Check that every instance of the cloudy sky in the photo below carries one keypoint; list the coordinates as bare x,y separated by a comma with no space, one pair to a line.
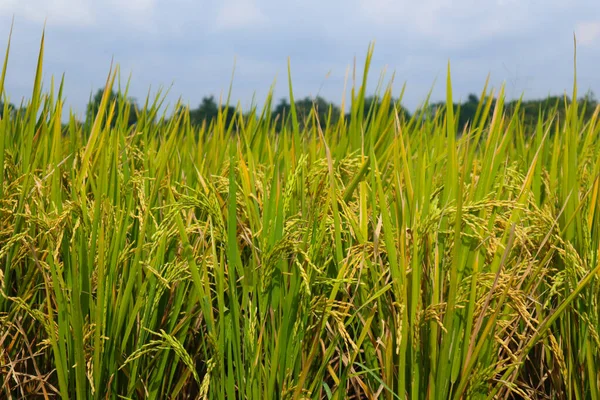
191,45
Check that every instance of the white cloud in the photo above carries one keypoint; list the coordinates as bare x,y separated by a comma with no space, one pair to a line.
139,13
235,14
419,16
588,33
56,12
457,23
80,13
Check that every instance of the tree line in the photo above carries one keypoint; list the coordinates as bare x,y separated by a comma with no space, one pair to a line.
208,109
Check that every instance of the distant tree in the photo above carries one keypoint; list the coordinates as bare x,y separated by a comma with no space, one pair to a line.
11,109
590,98
590,102
468,109
531,109
304,108
282,107
208,110
375,102
94,106
464,112
373,105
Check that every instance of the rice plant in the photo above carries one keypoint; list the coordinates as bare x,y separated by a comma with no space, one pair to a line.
369,256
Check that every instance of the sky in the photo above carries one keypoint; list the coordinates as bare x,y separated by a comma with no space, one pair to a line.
191,47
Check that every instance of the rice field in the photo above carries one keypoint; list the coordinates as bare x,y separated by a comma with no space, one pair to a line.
372,256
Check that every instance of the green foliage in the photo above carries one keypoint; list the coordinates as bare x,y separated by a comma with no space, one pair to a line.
208,111
123,105
7,108
323,110
529,110
377,256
